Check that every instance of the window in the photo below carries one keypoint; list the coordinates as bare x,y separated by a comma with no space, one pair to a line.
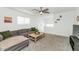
49,25
23,20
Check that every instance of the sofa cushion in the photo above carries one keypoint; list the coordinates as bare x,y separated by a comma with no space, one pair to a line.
12,41
22,31
6,34
24,34
14,33
1,37
19,32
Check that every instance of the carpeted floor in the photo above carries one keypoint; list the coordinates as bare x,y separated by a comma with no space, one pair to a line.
49,43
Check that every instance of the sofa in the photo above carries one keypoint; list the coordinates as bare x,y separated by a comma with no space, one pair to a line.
74,42
17,41
14,43
74,38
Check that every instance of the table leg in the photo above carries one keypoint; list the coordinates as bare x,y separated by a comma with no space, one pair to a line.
35,40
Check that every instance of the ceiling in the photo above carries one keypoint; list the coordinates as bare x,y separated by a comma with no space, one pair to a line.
51,9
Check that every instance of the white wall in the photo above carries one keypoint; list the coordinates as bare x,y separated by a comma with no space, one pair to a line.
13,14
63,27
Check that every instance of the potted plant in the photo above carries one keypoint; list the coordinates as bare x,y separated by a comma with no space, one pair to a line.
35,30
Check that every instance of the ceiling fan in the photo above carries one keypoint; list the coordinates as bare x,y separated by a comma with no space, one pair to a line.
42,11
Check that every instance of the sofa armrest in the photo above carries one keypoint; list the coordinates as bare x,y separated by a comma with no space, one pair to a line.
75,39
24,34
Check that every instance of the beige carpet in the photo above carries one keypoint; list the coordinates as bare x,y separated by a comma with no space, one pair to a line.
50,43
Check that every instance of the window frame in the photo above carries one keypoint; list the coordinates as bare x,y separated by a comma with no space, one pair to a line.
24,22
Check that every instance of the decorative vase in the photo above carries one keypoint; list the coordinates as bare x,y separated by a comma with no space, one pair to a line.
37,33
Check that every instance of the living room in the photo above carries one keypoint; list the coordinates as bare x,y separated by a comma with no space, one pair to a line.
56,24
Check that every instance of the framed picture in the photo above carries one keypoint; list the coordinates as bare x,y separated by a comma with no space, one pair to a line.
77,19
7,19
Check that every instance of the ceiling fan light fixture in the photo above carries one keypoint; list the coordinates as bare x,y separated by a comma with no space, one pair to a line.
41,13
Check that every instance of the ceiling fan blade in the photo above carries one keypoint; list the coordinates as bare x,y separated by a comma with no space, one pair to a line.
35,10
41,11
45,10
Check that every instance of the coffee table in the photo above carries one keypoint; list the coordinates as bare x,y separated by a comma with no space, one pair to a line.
36,37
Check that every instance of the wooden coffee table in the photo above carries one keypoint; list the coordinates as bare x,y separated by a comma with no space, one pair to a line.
36,37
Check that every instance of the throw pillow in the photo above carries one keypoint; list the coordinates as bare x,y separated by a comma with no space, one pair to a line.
6,34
